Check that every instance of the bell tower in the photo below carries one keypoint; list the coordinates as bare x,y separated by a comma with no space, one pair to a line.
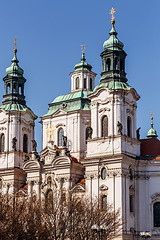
16,128
113,104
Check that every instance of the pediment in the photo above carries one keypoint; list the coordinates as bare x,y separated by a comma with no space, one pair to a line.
59,112
103,187
47,150
61,161
31,164
78,188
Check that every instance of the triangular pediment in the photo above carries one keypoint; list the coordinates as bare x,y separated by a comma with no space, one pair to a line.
59,112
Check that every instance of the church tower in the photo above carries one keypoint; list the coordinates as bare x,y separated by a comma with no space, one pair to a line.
69,115
16,128
113,105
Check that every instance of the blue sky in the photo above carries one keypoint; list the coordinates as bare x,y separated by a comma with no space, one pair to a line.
50,34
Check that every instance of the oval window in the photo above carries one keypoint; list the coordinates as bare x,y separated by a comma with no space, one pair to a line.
103,173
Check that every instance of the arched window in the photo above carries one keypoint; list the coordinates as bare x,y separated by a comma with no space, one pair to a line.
8,88
108,64
104,202
2,142
77,82
91,85
116,63
104,127
0,183
20,89
60,137
156,214
129,127
85,83
88,133
25,143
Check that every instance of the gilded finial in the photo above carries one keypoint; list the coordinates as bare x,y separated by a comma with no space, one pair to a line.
15,45
112,11
151,115
83,47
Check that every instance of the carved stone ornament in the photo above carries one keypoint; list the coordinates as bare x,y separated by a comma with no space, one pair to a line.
14,141
120,127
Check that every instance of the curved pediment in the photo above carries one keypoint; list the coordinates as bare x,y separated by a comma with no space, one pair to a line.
31,164
61,161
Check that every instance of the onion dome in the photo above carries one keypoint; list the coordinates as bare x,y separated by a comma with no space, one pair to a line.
14,69
152,132
113,43
82,65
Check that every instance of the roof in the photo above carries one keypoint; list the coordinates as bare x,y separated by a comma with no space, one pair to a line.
113,85
73,101
150,147
16,107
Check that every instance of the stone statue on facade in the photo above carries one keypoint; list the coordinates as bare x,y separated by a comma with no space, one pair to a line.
120,127
90,131
34,147
14,141
138,133
64,141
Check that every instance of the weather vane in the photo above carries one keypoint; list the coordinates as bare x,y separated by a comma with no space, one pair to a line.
112,11
15,45
83,47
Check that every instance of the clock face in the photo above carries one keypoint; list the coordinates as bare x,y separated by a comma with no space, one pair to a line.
69,144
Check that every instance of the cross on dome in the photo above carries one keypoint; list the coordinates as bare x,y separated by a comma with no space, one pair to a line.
112,11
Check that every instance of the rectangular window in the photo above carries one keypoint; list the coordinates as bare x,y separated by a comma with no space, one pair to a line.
131,203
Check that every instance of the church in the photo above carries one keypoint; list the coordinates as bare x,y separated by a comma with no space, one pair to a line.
91,145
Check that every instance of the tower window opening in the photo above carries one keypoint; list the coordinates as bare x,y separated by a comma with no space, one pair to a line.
156,214
25,143
20,89
91,85
104,127
104,202
121,65
8,88
116,63
108,64
85,83
14,88
77,82
2,142
60,137
129,128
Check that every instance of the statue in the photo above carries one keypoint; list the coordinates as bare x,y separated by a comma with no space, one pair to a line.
14,140
34,146
64,141
138,134
120,127
89,131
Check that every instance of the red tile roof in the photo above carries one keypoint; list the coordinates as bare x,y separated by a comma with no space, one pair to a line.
150,146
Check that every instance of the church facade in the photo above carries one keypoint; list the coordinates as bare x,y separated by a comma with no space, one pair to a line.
91,145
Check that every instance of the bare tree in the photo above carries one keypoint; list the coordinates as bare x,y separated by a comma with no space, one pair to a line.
55,219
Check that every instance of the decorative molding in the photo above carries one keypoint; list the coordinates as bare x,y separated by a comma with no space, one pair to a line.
60,125
26,129
104,109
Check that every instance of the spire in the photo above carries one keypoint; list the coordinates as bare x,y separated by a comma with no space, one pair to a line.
152,132
14,82
83,65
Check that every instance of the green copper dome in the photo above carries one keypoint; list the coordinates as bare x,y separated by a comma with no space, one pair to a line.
152,132
82,65
113,43
14,69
